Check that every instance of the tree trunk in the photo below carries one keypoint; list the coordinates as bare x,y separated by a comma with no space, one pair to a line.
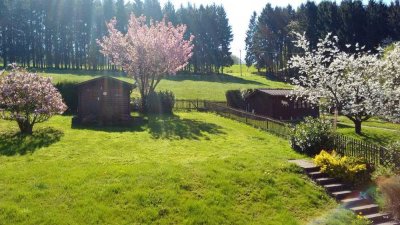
335,119
357,125
143,107
25,127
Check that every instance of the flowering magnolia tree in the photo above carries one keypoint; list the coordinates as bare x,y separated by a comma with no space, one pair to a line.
147,53
336,79
28,99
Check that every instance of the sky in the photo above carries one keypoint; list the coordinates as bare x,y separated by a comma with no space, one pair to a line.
239,13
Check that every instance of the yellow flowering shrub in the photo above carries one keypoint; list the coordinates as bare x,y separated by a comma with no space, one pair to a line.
348,169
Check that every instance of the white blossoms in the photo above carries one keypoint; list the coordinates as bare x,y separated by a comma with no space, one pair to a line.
359,84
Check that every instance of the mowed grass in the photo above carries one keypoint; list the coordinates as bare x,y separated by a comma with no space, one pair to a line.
374,122
374,130
185,86
373,135
191,168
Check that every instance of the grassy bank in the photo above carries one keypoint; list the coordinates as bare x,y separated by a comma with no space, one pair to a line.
192,168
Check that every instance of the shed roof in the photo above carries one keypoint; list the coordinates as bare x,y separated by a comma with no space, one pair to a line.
276,92
124,83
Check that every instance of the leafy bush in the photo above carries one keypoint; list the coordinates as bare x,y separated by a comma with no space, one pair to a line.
383,172
390,188
135,104
161,102
312,135
390,165
237,98
347,169
69,93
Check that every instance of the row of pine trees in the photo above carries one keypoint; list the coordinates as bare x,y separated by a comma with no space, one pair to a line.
270,36
62,34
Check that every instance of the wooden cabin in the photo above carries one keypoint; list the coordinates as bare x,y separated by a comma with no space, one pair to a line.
276,104
104,101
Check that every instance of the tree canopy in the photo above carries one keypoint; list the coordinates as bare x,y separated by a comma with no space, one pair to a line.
62,34
147,53
270,41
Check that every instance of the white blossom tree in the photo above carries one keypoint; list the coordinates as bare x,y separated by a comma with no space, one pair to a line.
388,74
336,79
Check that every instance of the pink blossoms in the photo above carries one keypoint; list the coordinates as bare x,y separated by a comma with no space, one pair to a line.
28,99
147,53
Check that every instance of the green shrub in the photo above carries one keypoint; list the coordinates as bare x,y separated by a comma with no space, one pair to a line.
136,104
237,98
390,164
69,94
382,172
348,169
161,102
312,135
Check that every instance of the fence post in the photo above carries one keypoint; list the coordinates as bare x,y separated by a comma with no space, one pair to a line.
380,160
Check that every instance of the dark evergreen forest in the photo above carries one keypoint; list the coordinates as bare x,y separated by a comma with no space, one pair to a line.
270,35
62,34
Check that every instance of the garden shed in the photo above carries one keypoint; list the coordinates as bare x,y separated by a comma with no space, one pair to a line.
104,101
276,103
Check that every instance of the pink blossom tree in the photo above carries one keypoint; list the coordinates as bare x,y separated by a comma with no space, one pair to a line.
147,53
28,99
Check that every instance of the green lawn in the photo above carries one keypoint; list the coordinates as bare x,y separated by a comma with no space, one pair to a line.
192,168
373,123
371,134
185,86
374,130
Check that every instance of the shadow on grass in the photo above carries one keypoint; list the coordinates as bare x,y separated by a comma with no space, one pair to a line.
138,124
173,127
81,72
218,78
367,136
269,76
12,143
342,125
162,127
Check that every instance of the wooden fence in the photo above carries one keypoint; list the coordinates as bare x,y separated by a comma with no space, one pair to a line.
273,126
371,153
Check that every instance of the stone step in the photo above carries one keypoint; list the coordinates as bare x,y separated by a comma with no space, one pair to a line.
315,175
325,180
356,201
379,217
365,209
334,187
392,222
312,169
339,195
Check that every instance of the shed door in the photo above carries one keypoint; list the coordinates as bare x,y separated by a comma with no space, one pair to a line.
93,101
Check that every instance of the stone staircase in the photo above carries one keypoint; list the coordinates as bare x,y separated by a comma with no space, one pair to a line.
350,199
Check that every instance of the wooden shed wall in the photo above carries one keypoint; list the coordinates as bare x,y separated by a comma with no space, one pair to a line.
279,107
104,100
